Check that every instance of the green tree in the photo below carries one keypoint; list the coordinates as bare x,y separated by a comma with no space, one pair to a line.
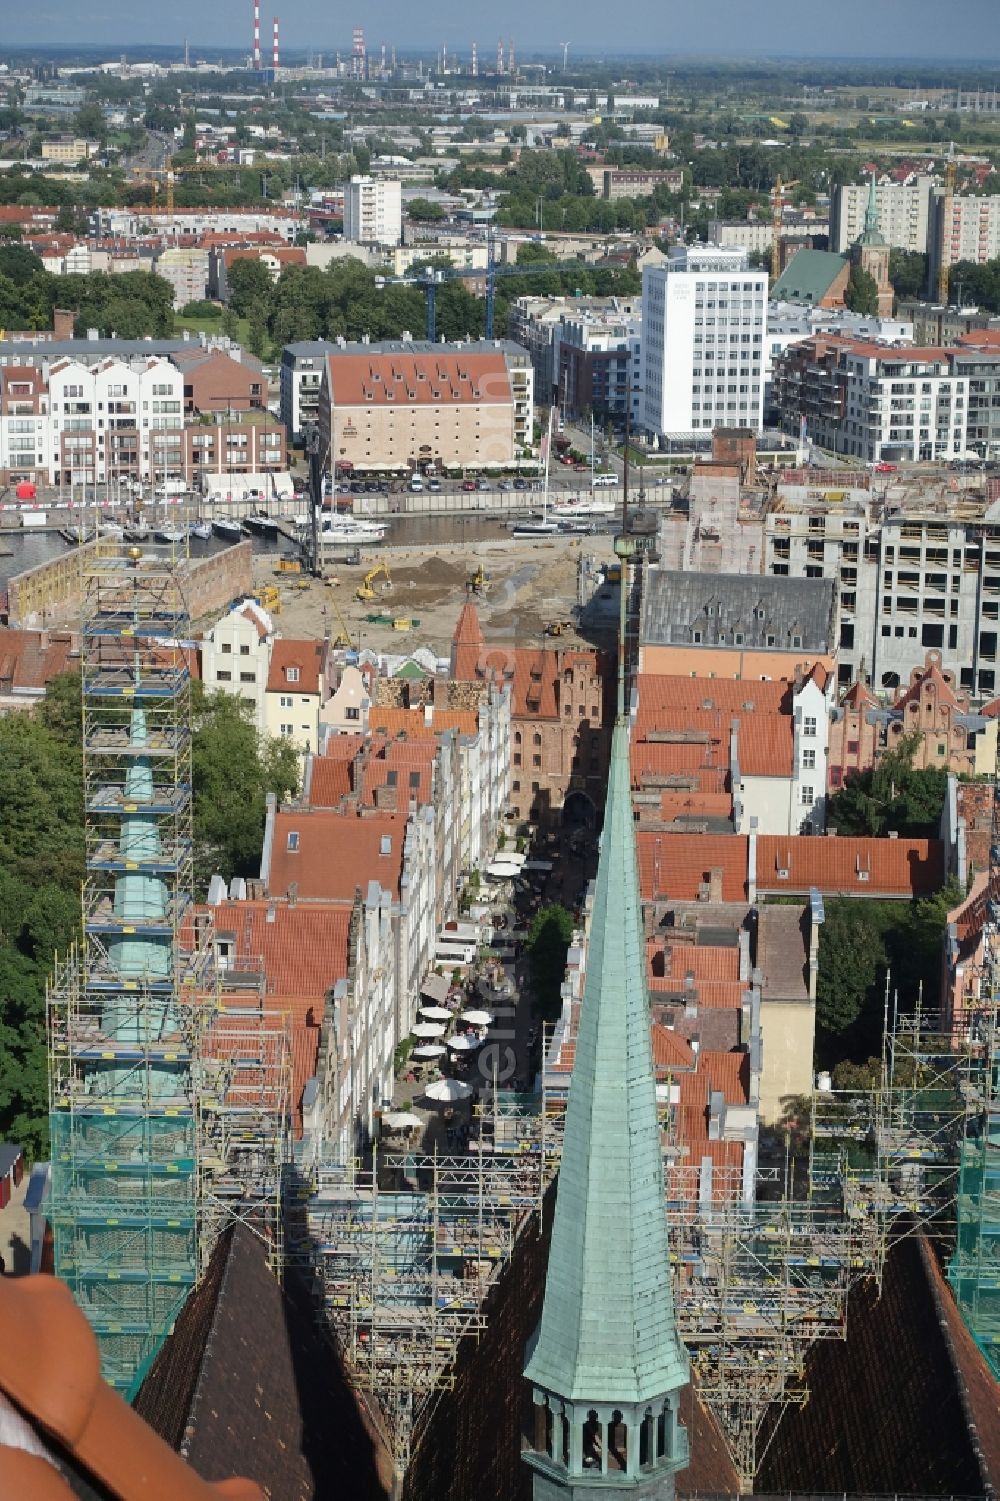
89,122
861,293
251,289
908,272
851,960
233,770
548,940
424,211
893,798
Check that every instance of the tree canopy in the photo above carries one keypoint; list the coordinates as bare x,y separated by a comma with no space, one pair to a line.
893,798
548,940
42,859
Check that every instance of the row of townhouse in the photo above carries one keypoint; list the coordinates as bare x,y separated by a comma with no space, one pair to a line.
389,827
79,420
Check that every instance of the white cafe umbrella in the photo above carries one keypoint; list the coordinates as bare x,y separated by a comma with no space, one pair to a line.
477,1018
428,1029
401,1120
464,1044
502,870
429,1050
436,1013
448,1090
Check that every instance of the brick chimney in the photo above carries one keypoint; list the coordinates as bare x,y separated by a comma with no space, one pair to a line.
63,323
715,884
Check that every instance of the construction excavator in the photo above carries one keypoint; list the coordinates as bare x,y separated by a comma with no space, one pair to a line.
478,582
366,589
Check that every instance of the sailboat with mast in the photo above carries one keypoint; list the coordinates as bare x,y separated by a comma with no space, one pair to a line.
540,526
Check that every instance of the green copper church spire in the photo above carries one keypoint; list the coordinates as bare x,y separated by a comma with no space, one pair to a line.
606,1362
872,232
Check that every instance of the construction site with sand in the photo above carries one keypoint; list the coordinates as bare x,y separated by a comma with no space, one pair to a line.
526,590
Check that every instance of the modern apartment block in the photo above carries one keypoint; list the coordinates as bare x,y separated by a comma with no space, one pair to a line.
894,402
372,211
596,359
704,316
875,401
113,421
964,228
300,378
535,322
904,214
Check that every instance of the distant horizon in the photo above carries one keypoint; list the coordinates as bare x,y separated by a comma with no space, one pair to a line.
111,48
891,32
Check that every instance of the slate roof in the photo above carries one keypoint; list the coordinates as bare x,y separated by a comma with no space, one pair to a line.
246,1379
677,603
906,1405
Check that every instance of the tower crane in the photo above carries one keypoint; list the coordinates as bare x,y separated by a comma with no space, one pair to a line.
947,214
777,211
429,280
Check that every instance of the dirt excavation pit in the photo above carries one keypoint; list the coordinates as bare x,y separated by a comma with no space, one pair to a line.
530,583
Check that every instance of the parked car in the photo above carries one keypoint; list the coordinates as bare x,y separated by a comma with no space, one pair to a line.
883,468
468,484
506,484
433,484
482,484
521,484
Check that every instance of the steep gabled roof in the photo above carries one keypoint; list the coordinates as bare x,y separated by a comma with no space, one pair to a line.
247,1378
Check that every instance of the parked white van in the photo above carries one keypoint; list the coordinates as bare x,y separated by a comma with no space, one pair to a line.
602,481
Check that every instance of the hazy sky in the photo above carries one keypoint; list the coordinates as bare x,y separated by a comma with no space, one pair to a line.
967,29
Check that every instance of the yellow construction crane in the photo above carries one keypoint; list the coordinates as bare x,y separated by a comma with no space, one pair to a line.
366,587
948,209
777,212
344,637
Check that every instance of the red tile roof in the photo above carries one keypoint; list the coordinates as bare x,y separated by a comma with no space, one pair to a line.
765,745
287,654
675,866
336,853
304,948
329,781
850,867
29,660
412,722
669,1050
406,765
703,961
695,804
725,695
401,380
930,677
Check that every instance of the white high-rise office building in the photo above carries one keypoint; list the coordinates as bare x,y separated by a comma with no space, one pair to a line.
704,314
372,211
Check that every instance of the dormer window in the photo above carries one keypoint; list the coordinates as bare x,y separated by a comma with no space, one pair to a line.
292,674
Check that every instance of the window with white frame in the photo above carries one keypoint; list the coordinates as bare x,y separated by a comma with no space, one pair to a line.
808,796
808,725
809,760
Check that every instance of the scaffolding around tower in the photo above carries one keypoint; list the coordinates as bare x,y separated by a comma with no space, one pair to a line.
160,1092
